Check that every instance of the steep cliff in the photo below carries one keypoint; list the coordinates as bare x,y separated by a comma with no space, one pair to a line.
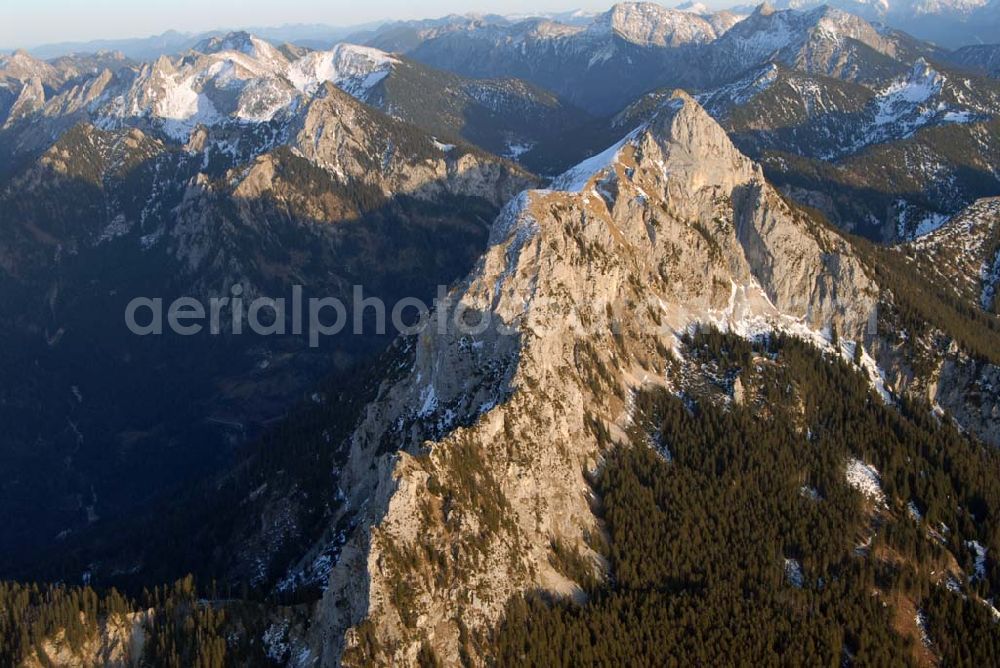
464,473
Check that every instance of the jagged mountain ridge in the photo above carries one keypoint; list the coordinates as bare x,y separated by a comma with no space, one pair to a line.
822,139
822,41
824,99
617,56
951,23
519,413
852,117
481,441
237,82
638,22
350,141
246,88
343,195
660,47
622,228
813,131
799,90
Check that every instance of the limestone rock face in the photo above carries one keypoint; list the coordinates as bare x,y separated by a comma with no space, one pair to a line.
117,642
968,390
29,100
469,465
823,40
352,141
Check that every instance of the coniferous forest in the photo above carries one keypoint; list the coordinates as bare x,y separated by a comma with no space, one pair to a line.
731,537
181,630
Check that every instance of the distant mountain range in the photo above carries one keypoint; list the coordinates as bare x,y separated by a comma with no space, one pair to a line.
149,48
822,97
950,23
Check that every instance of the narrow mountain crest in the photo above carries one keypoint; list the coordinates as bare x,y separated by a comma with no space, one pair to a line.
584,288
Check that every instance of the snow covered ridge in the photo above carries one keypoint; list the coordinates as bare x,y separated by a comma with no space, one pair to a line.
925,97
578,177
819,41
907,96
356,69
735,94
644,23
241,42
240,78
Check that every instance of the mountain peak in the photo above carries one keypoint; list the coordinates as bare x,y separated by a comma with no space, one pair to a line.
356,69
239,41
671,227
764,9
23,66
824,40
20,57
921,69
695,146
680,140
693,7
651,24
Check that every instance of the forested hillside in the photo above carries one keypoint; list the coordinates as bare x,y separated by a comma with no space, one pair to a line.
733,536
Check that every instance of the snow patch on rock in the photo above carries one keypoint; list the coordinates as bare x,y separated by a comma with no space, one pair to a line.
793,573
866,479
811,493
979,567
355,69
576,178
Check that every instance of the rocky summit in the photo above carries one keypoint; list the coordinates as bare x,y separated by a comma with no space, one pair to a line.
670,228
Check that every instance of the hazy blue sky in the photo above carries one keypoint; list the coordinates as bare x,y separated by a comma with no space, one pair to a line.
33,22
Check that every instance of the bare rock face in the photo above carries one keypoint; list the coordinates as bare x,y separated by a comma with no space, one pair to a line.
117,642
353,141
469,466
29,100
650,24
820,41
968,390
